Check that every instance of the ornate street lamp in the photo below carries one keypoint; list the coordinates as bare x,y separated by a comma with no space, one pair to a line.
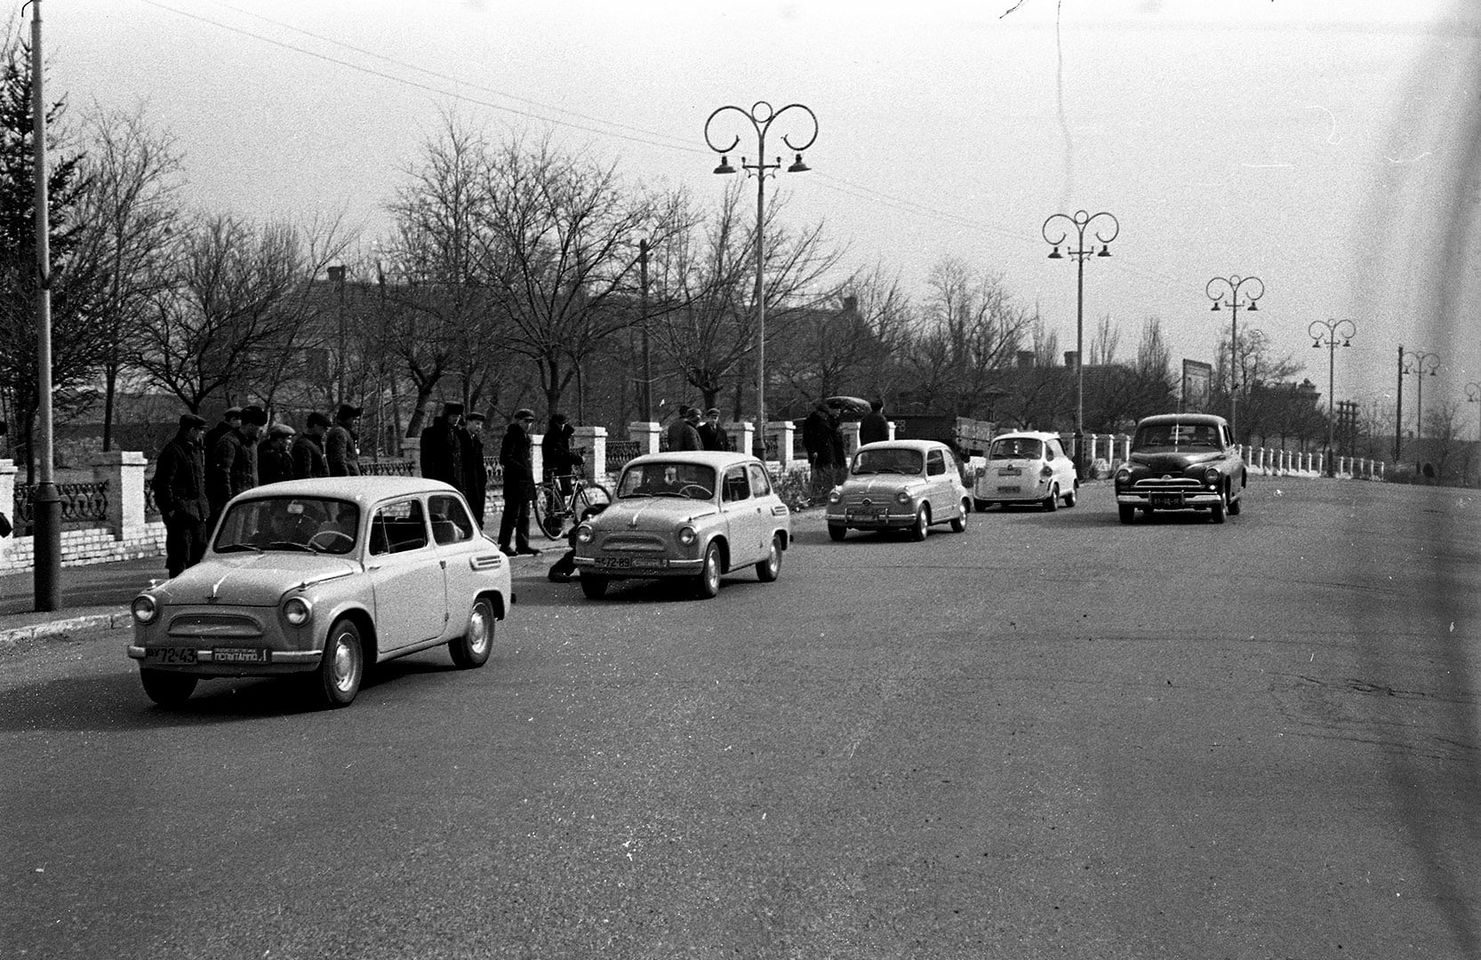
761,116
1418,363
1080,221
1326,333
1217,290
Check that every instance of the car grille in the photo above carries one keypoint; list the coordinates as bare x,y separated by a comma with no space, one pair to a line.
633,543
1168,483
214,625
868,499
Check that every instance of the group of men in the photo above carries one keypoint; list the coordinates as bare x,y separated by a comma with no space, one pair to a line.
198,471
822,438
691,432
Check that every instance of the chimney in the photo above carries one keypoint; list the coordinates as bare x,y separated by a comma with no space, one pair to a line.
1071,359
1025,359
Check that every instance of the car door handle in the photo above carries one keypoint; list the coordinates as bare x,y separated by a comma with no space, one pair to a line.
372,567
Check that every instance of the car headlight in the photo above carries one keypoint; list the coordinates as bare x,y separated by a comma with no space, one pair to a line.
902,497
144,609
1123,477
584,533
835,495
297,610
1211,477
687,536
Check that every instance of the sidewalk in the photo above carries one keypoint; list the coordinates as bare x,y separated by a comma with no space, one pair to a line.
93,595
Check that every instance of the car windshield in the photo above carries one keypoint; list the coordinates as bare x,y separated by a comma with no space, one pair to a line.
887,460
1016,448
690,481
303,524
1176,436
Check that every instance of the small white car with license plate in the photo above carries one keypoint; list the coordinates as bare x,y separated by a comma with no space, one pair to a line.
1027,466
907,485
325,577
692,515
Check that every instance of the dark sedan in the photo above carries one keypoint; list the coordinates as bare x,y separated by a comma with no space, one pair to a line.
1181,461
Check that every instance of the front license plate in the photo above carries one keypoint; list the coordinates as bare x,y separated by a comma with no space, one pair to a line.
169,655
1167,500
614,562
241,655
866,513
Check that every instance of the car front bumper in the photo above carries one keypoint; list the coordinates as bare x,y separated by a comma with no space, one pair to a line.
224,661
1181,500
639,568
895,517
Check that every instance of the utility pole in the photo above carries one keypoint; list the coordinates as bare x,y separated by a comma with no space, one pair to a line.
647,349
1399,410
46,526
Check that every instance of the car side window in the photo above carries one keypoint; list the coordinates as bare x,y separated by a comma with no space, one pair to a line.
737,487
935,463
398,527
450,520
760,482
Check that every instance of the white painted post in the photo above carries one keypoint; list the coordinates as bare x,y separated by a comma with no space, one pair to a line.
890,429
783,431
594,439
7,501
124,471
742,434
411,449
537,457
646,433
850,438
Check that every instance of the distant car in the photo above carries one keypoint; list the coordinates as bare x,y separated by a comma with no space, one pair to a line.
325,577
692,515
900,485
1182,461
1026,467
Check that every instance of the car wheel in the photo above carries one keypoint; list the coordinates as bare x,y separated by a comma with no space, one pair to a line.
472,649
768,569
342,666
960,523
1216,512
1235,505
595,587
166,688
1126,511
707,585
922,521
837,531
1051,502
1073,497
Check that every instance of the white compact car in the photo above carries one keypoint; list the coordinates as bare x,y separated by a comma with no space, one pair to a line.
1026,467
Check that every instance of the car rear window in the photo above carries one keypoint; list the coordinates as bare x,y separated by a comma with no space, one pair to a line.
1016,448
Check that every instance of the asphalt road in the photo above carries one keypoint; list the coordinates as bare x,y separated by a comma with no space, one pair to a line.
1050,736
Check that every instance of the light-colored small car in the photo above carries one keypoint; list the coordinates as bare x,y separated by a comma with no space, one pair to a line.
900,485
325,577
694,515
1026,466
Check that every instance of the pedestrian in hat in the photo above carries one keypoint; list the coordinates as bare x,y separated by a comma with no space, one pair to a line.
442,448
475,484
231,418
874,427
274,461
519,485
179,488
683,433
557,459
342,442
711,436
307,448
232,467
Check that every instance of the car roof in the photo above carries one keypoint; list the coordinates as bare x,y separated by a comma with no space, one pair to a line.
1027,435
920,445
1204,418
718,459
362,490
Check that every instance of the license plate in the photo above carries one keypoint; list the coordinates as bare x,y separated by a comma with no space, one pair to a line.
1010,472
866,513
1167,500
614,562
241,655
169,655
1006,488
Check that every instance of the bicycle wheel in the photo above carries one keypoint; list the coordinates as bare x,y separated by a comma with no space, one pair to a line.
588,496
550,511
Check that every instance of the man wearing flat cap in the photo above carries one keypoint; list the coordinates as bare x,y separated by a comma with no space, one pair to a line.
342,443
519,485
179,488
307,448
274,462
683,433
442,448
711,435
231,418
475,485
231,466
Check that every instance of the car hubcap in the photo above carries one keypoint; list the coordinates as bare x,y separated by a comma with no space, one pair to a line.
344,665
478,630
712,571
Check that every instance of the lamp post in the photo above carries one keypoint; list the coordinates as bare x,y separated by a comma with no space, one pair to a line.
1473,395
1417,363
1217,290
1080,221
1326,333
761,116
46,501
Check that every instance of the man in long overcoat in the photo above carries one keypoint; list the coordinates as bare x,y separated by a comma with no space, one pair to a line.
341,444
274,461
179,487
874,427
442,447
475,484
519,485
232,468
683,433
308,448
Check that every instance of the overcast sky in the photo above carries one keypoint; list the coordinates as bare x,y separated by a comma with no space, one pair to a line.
1320,146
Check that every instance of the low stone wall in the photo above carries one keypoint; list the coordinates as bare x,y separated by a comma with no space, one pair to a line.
88,545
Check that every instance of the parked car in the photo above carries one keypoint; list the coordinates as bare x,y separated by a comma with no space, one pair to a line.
325,577
1181,461
1026,467
900,485
691,515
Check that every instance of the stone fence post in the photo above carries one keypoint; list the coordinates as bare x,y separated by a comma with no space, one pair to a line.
890,429
850,438
7,498
124,472
594,439
646,433
411,449
537,457
742,434
783,431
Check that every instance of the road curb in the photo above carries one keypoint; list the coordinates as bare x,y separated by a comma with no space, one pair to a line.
57,629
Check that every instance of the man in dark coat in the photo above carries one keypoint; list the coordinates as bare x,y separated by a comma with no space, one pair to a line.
342,444
179,488
232,467
557,459
682,433
475,485
817,440
519,485
874,427
442,447
230,420
274,461
711,436
307,448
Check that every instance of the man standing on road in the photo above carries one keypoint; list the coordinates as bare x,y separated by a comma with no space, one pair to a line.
442,447
308,449
230,420
817,440
475,483
341,444
874,427
274,462
519,485
179,488
233,465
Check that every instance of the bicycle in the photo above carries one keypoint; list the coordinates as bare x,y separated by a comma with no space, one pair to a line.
555,508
